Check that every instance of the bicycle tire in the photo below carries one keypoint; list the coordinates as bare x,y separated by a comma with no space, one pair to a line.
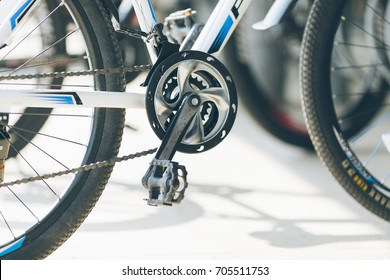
77,194
267,72
345,158
267,113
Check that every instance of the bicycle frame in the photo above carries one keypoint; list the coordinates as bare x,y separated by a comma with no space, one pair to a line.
216,32
11,13
212,39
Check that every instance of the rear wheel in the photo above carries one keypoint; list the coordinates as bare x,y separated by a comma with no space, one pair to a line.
37,217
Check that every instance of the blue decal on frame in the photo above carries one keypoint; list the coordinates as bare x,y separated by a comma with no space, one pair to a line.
221,35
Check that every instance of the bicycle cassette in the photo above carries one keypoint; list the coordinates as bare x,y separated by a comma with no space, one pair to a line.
183,73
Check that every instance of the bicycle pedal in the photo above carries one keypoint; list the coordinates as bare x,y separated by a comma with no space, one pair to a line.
166,181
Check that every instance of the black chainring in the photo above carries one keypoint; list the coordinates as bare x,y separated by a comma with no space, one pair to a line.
163,89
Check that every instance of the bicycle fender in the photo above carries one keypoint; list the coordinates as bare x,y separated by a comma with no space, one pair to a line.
275,14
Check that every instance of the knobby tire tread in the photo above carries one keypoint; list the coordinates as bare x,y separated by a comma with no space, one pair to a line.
312,82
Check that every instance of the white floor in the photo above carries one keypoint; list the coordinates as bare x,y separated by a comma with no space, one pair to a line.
252,197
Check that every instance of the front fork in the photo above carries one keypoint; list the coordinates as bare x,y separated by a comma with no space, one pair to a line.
4,143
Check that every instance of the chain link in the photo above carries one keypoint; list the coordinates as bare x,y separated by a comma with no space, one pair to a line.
88,167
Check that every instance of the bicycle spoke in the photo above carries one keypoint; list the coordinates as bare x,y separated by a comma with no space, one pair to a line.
344,44
7,224
39,54
348,67
40,62
23,203
42,150
377,12
358,26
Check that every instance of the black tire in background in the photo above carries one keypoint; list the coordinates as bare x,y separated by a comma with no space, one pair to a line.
265,66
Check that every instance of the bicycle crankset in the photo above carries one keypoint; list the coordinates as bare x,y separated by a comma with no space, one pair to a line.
191,104
187,72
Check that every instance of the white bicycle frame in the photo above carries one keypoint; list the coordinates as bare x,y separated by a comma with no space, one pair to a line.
216,32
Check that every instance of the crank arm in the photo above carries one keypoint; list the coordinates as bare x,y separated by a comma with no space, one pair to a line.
165,183
177,129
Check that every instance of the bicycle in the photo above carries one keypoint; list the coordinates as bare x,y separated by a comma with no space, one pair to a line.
190,100
266,91
347,43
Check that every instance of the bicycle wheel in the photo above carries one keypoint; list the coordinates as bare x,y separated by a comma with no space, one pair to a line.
343,42
37,217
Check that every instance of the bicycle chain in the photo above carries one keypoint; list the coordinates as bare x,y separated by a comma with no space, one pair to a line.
64,74
87,167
